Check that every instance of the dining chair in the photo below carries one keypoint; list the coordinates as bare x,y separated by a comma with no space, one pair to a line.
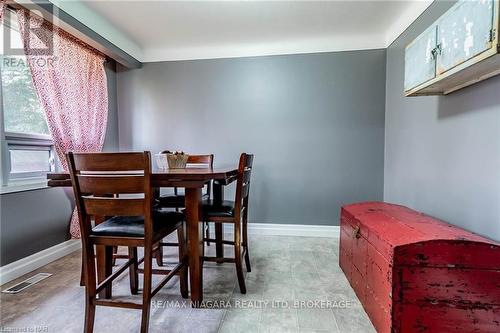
177,200
236,213
118,186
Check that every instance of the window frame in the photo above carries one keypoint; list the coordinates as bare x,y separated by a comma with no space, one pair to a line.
27,141
36,142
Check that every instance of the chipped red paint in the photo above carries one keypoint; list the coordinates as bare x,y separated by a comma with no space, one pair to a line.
414,273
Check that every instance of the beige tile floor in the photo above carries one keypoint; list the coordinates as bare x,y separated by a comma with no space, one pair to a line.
295,285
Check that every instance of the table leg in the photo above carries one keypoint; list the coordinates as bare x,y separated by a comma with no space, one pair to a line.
158,253
195,244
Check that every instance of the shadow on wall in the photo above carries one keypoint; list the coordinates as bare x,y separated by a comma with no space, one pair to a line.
470,99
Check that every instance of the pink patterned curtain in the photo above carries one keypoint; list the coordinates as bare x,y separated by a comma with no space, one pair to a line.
2,7
70,82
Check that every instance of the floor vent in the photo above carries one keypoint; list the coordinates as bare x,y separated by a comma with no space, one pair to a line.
26,283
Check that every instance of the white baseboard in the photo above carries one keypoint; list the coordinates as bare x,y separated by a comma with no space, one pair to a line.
23,266
300,230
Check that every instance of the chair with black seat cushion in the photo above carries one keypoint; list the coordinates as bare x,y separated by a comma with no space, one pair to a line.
236,213
177,200
118,186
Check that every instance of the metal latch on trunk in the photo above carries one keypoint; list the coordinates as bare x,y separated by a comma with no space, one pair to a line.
356,233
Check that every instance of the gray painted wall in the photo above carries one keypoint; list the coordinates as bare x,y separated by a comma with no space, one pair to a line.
442,154
315,123
32,221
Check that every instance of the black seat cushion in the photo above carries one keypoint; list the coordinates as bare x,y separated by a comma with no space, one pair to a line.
173,200
133,226
226,208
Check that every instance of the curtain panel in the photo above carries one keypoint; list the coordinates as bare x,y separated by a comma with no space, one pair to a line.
2,7
70,81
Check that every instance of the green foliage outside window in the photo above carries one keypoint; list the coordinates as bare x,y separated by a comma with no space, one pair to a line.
22,110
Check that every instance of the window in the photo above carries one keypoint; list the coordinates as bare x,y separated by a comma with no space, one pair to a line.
27,149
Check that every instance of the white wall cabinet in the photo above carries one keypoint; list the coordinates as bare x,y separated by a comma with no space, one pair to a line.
459,49
420,63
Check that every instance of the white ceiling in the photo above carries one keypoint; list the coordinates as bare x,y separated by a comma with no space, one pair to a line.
179,30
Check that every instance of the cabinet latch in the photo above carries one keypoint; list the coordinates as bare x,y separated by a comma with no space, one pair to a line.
492,35
436,51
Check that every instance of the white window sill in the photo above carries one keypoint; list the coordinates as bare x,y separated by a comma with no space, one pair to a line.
21,187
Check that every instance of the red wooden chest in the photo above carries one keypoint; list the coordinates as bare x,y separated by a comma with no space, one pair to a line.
414,273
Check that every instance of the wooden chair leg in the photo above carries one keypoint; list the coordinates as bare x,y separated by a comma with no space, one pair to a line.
134,275
219,246
247,260
90,288
183,273
89,315
237,260
146,291
82,273
245,242
108,269
207,231
115,251
159,255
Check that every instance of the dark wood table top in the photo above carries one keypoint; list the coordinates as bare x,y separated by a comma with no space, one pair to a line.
196,172
166,177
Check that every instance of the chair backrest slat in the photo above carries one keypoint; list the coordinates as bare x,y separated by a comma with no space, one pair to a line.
243,180
100,206
249,160
198,159
246,174
201,159
109,161
110,184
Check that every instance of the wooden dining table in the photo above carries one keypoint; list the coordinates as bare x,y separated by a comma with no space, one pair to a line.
192,180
